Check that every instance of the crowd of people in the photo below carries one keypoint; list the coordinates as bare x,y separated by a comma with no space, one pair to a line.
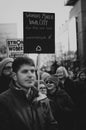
55,101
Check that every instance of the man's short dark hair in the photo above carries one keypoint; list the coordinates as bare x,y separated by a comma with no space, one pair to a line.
19,61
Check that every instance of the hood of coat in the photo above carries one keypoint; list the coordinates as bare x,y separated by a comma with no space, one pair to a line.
3,63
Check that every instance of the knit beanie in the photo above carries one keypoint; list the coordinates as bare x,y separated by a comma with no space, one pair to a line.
54,79
3,63
45,75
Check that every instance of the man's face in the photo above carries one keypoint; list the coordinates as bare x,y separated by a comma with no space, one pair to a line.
25,77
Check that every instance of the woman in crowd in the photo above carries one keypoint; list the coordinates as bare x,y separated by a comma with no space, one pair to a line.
67,84
61,103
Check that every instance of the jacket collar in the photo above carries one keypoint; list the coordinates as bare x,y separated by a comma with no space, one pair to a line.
25,95
29,94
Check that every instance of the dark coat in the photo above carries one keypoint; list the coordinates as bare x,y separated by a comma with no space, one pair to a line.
69,87
4,83
80,113
62,108
16,113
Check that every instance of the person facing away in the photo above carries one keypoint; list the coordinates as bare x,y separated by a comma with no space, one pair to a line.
5,73
61,103
21,106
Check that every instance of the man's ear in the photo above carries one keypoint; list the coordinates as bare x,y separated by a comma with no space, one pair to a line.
14,76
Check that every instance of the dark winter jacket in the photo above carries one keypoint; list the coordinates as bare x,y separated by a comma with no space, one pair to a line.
62,108
4,83
69,87
18,113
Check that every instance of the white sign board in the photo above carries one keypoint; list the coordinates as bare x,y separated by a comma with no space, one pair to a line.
15,48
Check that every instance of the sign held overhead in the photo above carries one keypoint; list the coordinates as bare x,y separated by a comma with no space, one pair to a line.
15,47
39,32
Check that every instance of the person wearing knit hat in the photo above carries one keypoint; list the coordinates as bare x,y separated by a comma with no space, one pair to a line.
53,79
60,102
5,73
44,75
52,84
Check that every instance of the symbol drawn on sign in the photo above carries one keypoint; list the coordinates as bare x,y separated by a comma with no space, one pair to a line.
38,48
18,42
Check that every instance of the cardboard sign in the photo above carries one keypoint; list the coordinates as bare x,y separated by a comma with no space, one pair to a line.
39,32
15,48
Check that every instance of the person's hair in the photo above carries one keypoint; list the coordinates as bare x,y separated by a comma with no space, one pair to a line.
79,73
62,68
19,61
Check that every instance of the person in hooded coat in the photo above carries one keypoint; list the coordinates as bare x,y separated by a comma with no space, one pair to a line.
5,73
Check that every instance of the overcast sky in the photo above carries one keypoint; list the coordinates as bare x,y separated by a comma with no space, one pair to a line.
11,11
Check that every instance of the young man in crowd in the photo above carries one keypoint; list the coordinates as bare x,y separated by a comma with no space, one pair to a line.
21,106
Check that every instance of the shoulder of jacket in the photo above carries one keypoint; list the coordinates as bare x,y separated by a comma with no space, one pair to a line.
5,96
